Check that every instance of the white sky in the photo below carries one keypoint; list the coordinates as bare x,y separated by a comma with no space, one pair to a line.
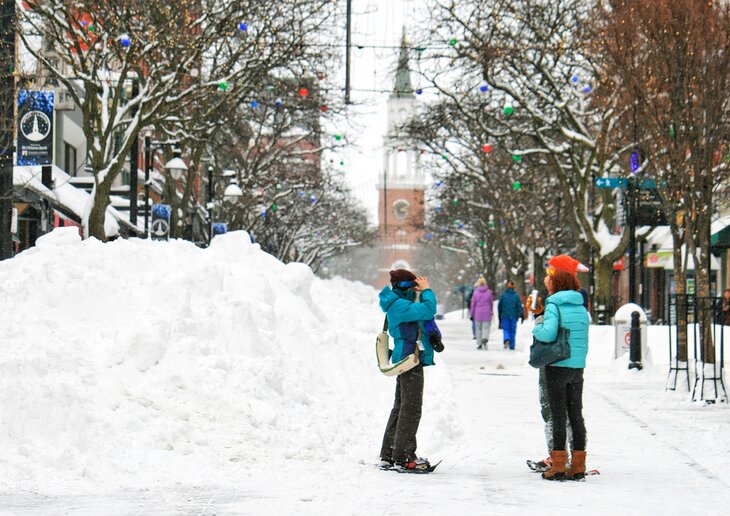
375,23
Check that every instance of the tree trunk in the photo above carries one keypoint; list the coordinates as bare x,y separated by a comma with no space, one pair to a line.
603,277
680,282
97,215
702,282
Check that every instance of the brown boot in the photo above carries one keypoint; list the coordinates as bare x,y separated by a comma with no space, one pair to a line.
577,466
558,467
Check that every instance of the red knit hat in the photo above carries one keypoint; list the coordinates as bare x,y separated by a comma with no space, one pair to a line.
565,263
401,275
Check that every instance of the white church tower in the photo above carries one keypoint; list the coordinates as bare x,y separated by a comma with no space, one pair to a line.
402,182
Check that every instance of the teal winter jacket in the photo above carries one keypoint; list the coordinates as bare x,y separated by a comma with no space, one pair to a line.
573,316
405,318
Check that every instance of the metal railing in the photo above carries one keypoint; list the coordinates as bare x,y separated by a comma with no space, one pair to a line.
699,322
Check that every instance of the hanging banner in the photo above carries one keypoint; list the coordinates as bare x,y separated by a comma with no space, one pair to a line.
35,127
160,226
220,228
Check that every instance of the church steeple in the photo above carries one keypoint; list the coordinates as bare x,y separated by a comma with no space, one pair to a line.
403,87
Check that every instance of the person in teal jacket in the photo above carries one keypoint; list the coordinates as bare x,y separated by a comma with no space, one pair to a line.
406,317
564,380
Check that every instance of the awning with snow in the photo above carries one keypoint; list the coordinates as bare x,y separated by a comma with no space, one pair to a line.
66,198
720,239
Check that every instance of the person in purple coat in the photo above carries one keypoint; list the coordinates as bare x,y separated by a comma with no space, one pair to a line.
481,311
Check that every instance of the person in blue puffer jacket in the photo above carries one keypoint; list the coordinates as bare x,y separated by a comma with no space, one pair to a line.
406,318
564,380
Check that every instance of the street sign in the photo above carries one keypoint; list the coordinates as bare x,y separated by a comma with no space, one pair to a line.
610,182
623,182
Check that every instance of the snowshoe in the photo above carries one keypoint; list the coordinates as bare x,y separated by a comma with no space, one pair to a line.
540,465
386,465
420,465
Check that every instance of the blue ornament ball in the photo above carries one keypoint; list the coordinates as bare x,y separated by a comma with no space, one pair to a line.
125,40
243,27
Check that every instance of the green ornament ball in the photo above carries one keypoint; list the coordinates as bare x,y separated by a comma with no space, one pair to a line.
516,157
508,110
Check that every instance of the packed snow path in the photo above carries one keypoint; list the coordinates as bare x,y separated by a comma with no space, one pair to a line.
656,453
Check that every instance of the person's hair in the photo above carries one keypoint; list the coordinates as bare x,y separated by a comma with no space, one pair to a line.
560,280
510,284
480,281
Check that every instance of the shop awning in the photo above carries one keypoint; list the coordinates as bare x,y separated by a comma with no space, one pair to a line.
721,233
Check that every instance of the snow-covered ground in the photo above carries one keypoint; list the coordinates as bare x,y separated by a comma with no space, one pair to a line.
141,377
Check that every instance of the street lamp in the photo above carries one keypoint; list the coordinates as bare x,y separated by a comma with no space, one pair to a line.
176,166
230,194
232,191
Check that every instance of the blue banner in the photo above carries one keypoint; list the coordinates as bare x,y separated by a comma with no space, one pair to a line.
160,226
35,127
219,228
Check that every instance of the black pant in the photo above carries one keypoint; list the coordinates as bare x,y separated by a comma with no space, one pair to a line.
565,392
399,441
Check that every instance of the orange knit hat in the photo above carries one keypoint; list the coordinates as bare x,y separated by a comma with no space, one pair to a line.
565,263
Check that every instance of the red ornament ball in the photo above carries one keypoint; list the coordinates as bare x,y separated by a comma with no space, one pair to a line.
487,148
303,92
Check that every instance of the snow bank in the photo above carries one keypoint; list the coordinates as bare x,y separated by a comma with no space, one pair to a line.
149,363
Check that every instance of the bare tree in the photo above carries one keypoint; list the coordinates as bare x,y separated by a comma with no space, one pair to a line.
534,71
175,50
670,62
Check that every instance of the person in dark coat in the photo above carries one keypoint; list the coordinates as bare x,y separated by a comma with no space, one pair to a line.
509,310
406,317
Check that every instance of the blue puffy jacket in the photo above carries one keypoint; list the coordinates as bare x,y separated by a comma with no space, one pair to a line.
405,317
573,316
510,305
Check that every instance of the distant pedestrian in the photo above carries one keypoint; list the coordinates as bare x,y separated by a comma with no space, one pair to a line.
471,315
564,380
509,310
481,310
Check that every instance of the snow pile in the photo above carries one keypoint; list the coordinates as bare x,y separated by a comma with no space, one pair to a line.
143,363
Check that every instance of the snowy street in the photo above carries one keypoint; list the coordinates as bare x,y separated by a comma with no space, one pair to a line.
654,450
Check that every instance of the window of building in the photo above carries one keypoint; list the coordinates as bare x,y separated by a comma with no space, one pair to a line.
69,159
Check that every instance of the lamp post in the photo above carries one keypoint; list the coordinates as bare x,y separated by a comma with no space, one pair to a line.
231,194
176,167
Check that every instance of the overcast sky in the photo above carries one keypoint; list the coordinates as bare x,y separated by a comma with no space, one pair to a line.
375,23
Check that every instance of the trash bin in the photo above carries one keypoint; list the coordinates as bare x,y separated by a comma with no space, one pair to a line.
622,325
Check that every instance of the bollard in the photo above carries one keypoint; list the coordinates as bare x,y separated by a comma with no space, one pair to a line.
635,343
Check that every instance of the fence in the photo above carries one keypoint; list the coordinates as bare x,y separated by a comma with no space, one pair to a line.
701,321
